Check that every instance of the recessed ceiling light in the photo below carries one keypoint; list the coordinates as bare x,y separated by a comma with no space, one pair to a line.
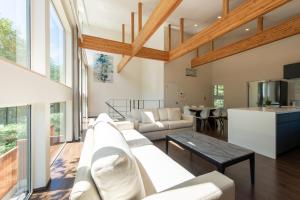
219,17
247,29
195,25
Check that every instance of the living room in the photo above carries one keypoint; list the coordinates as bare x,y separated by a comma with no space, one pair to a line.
150,99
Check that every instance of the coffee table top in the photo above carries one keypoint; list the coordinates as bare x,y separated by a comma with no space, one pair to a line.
209,147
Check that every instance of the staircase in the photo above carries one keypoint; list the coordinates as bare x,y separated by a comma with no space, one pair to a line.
119,109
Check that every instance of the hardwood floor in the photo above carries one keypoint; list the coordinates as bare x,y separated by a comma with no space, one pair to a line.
63,173
275,179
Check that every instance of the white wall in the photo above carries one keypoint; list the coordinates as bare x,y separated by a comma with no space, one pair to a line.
140,79
263,63
196,90
126,85
21,86
153,70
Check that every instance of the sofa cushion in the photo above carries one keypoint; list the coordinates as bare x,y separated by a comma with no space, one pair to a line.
149,115
207,191
159,171
114,168
163,114
124,125
135,139
174,114
84,187
156,126
136,115
180,124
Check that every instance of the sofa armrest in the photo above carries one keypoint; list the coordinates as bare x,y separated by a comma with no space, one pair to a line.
195,192
187,117
124,125
213,182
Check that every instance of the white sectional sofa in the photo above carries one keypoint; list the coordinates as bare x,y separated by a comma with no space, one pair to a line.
117,162
157,123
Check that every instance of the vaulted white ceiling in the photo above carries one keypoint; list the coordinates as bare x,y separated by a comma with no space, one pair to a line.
110,14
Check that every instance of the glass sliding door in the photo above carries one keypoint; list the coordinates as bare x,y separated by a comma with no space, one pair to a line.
14,31
15,160
57,128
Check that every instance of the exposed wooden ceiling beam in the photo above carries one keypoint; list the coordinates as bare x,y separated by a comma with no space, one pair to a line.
140,16
212,45
181,30
170,37
132,27
260,24
286,29
157,18
246,12
225,8
111,46
123,33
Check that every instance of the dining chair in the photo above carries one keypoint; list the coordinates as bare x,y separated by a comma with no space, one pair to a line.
223,117
186,110
216,115
204,115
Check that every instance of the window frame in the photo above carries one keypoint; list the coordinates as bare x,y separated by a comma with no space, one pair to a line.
217,96
64,80
29,160
27,42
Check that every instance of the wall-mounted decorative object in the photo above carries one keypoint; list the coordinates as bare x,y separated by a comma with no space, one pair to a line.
103,68
191,72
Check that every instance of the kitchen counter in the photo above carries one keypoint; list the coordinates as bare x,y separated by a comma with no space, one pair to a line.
281,110
267,131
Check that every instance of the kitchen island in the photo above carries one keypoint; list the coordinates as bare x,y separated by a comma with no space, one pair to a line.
267,131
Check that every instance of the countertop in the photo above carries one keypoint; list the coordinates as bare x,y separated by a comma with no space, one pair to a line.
281,110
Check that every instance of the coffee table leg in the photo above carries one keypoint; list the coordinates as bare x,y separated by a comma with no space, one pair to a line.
167,145
252,169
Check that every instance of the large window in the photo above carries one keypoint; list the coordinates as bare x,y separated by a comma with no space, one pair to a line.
14,152
14,31
57,47
57,128
219,96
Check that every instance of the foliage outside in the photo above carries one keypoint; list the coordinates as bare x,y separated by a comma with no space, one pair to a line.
54,71
219,96
12,46
9,134
55,121
13,126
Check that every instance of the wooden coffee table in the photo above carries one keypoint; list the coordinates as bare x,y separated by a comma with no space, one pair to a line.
217,152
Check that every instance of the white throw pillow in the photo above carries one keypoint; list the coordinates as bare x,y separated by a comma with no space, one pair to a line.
155,113
174,114
149,116
163,114
114,168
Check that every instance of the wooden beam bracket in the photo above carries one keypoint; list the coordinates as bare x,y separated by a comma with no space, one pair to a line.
162,11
